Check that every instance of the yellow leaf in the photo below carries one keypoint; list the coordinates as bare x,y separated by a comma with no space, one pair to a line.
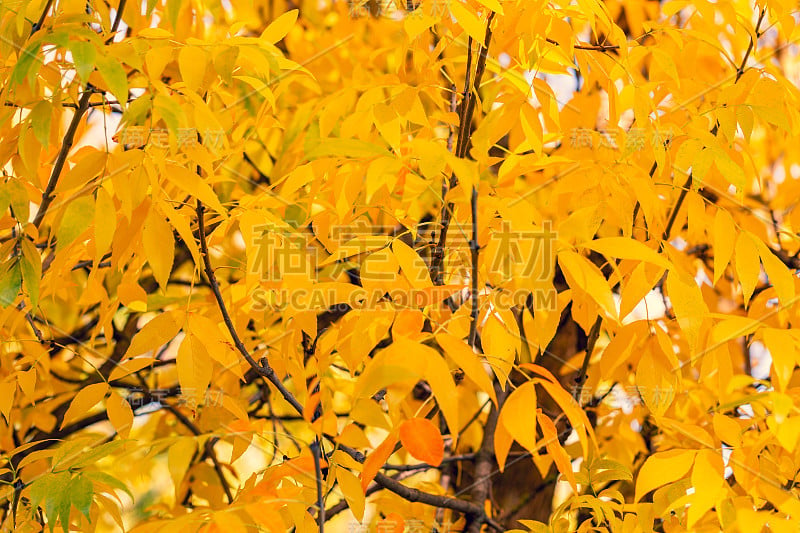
279,27
662,468
181,225
438,375
417,25
156,333
194,368
724,239
159,246
582,275
708,481
688,304
192,62
86,398
27,382
782,348
193,184
625,248
129,366
655,381
354,148
502,445
352,492
780,276
734,327
179,457
299,177
463,355
83,172
465,170
468,20
154,33
412,265
516,417
7,391
748,267
105,222
640,282
573,411
422,439
156,60
234,406
494,5
120,414
727,430
500,347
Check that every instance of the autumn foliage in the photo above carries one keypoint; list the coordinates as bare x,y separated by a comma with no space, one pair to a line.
424,265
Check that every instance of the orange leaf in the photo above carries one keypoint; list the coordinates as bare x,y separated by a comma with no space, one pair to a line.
423,441
376,459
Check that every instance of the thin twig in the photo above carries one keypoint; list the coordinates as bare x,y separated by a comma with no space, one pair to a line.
594,333
316,451
474,249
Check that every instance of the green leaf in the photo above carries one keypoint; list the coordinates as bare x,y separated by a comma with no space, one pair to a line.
76,220
24,67
225,61
31,266
84,55
5,199
95,454
54,488
69,450
10,283
115,77
170,111
137,111
19,200
81,490
63,505
105,479
39,488
40,121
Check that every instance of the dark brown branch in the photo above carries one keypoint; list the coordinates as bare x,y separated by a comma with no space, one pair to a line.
484,465
69,136
594,333
465,119
36,27
474,249
264,369
316,451
415,495
61,158
684,191
425,466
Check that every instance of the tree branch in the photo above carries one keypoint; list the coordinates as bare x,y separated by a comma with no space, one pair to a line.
264,369
69,136
465,119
